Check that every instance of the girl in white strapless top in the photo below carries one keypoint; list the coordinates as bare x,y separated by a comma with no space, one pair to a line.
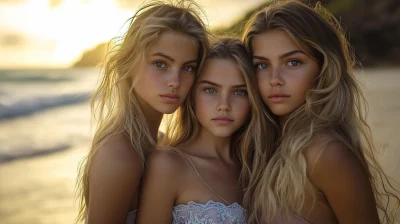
196,180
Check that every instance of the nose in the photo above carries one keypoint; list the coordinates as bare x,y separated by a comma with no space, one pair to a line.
224,104
276,77
174,80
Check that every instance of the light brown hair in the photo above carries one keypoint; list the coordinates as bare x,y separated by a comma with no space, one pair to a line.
335,105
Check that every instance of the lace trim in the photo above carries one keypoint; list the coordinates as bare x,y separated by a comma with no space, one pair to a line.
210,204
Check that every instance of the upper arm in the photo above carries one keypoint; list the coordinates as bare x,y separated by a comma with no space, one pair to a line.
341,177
159,188
114,180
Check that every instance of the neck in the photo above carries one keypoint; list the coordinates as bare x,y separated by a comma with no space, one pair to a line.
153,118
209,145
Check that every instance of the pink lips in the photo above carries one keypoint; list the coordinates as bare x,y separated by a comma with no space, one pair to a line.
170,97
277,98
222,120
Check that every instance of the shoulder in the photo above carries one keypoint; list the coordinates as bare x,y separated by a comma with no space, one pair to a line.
116,160
342,176
330,159
118,151
166,161
114,179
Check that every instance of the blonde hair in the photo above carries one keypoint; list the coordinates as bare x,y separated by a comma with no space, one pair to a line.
335,106
114,105
184,127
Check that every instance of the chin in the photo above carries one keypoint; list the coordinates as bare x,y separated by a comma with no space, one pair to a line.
222,134
169,111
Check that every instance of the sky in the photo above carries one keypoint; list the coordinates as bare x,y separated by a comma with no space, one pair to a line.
54,33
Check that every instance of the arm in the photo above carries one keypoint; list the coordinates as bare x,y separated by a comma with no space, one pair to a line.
159,188
114,181
340,176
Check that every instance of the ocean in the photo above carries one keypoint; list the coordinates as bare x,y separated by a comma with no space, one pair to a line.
45,133
43,111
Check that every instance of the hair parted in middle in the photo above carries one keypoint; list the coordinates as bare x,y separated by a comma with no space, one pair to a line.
334,106
114,105
183,125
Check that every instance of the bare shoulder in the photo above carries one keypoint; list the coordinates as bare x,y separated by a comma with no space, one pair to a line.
331,162
326,149
340,174
118,151
167,162
114,179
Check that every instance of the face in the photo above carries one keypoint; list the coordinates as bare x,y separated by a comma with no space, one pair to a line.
167,72
285,73
220,98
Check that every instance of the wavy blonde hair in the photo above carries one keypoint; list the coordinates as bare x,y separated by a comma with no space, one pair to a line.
114,105
335,106
183,126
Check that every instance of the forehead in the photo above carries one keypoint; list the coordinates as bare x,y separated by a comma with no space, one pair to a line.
175,44
274,41
222,71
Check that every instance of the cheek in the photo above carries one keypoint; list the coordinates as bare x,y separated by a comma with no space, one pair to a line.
202,104
243,108
263,85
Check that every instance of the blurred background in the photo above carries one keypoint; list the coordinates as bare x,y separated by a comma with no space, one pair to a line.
50,51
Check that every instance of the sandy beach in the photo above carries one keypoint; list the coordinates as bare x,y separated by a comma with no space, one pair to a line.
39,190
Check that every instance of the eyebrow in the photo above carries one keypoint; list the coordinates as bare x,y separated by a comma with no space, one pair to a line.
282,56
171,58
215,84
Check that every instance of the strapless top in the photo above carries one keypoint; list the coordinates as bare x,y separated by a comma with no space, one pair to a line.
210,213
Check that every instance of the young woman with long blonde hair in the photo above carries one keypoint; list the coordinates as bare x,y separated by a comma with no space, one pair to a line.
148,72
323,168
196,180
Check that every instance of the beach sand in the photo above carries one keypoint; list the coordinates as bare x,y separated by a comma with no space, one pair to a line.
40,190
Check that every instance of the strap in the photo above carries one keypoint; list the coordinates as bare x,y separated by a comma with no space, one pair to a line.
191,164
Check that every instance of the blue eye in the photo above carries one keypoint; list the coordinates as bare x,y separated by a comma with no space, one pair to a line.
261,66
293,63
210,90
189,68
240,92
159,64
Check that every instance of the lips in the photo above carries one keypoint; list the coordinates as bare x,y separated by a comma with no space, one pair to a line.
170,97
277,98
222,120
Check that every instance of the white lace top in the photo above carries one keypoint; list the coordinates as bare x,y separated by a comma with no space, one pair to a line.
210,213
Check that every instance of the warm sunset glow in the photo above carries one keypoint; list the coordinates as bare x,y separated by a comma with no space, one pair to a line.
53,33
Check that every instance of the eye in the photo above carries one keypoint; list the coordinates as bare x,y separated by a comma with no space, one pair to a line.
293,63
159,64
261,66
210,90
240,92
189,68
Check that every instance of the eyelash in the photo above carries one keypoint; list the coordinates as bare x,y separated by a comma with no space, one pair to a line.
192,68
294,60
187,68
157,64
258,65
244,92
207,90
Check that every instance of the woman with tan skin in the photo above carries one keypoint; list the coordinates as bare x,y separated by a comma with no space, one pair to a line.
323,169
148,73
196,181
